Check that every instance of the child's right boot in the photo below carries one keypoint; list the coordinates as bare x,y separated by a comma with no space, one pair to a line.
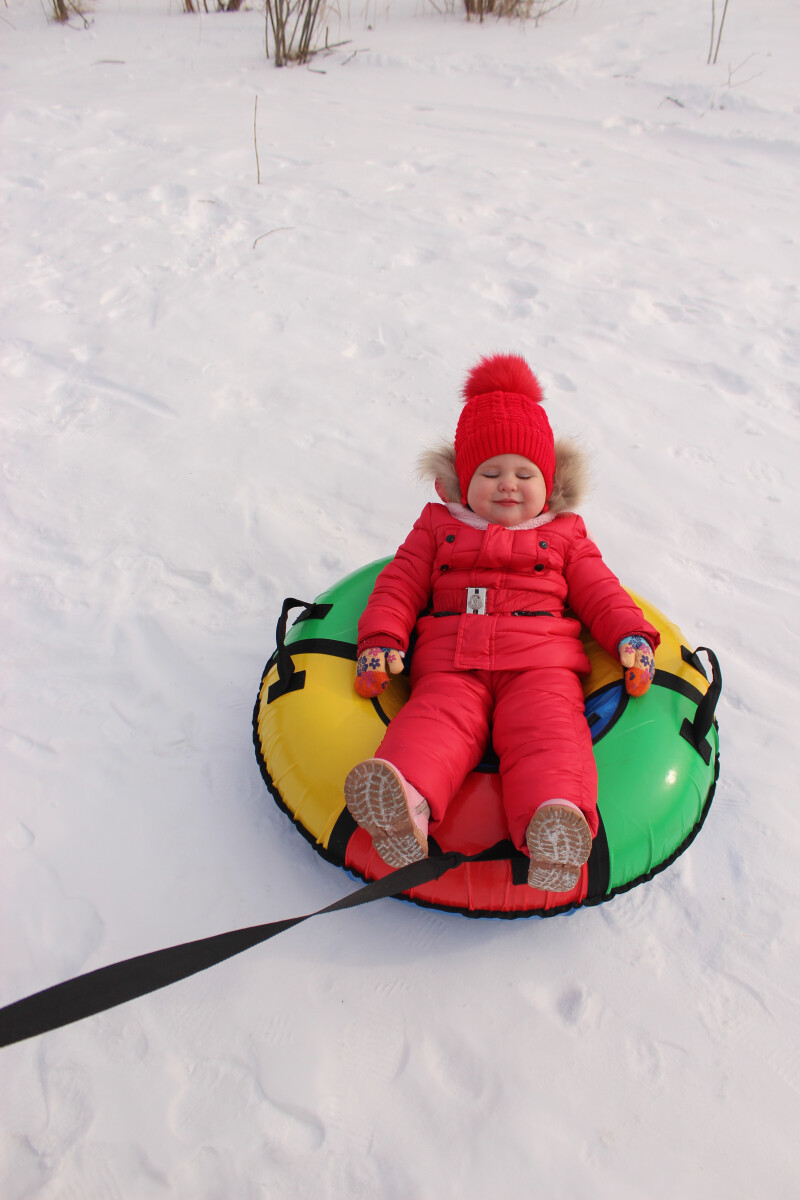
391,810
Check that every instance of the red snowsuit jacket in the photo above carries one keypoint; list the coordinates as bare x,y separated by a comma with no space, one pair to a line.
553,574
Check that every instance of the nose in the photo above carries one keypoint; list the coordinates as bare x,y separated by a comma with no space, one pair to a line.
507,483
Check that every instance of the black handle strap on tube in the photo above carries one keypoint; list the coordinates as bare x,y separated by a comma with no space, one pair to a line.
109,986
289,680
696,732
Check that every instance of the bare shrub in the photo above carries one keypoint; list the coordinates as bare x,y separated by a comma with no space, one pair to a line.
193,6
295,25
522,10
62,10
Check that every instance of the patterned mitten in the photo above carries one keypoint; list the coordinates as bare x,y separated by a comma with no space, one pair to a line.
636,655
375,664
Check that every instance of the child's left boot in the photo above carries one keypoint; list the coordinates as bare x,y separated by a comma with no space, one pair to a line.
559,842
391,810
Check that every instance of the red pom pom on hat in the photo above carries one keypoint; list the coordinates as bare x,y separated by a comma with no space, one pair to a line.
503,373
503,414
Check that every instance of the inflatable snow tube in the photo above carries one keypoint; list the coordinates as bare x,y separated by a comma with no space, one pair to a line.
657,760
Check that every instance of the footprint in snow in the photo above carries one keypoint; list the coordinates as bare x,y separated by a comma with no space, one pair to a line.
224,1100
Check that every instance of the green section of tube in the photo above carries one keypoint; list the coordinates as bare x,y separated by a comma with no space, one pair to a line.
652,784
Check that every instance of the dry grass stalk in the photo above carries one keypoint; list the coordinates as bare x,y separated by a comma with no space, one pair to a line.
711,49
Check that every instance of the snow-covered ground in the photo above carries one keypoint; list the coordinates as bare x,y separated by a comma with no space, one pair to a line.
214,394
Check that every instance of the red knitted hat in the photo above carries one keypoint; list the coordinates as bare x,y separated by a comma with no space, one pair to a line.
503,414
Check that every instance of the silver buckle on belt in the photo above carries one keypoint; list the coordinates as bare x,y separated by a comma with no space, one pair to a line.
476,600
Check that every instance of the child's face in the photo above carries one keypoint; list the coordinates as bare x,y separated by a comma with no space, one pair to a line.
507,490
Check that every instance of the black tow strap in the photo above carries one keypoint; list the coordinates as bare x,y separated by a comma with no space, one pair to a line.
109,986
695,731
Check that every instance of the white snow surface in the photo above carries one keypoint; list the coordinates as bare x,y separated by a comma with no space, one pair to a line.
215,391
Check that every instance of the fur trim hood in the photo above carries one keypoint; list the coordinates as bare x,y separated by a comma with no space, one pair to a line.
438,466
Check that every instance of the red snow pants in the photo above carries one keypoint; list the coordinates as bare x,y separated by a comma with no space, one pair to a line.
538,730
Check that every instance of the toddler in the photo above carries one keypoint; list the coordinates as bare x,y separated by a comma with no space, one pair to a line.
496,580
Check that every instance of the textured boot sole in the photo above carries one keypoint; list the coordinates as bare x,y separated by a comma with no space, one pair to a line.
377,803
559,842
